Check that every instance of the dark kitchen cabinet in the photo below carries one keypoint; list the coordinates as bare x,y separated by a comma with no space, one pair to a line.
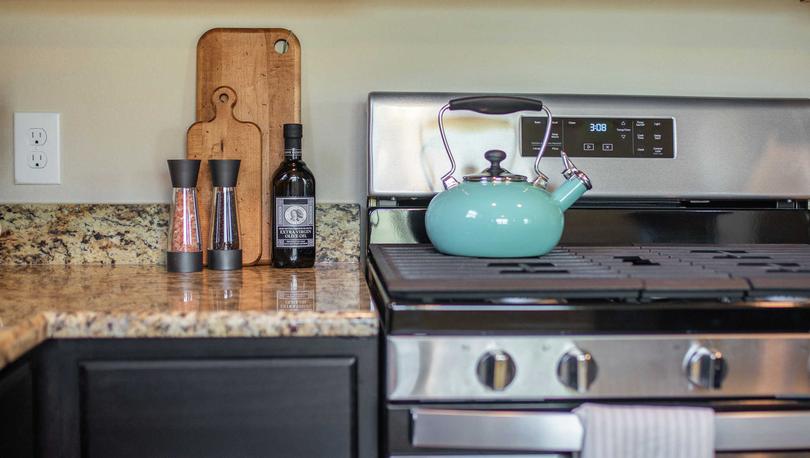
16,410
285,397
286,406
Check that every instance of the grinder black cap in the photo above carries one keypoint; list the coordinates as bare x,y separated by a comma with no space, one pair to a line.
184,172
292,136
224,172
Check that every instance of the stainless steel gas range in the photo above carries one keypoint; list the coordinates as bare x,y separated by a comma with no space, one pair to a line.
683,278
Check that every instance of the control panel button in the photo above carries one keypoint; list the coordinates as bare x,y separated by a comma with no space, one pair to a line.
607,147
588,146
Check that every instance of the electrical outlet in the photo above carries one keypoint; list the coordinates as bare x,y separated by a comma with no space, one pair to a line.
37,160
37,136
36,148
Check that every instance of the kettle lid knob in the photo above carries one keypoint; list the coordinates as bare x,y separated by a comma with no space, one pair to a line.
495,156
495,172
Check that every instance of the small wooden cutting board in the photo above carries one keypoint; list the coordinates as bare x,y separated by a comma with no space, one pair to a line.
225,137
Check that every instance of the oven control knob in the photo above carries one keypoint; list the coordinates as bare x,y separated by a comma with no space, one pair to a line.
496,370
577,369
705,367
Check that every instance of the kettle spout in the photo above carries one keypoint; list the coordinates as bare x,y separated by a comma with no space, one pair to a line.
576,184
570,191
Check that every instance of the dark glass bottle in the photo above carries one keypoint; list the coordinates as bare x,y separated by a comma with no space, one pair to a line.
293,234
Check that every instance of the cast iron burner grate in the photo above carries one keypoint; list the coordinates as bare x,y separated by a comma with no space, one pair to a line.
627,272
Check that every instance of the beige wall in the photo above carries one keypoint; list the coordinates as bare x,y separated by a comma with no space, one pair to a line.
122,72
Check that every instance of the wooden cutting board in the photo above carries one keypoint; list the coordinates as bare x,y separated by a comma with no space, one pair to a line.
225,137
263,66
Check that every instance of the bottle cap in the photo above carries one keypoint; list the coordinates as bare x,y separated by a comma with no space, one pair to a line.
224,172
292,140
184,172
292,131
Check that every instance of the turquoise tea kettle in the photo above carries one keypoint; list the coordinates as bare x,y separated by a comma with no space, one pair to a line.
497,214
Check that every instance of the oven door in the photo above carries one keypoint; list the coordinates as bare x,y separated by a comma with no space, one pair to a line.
530,433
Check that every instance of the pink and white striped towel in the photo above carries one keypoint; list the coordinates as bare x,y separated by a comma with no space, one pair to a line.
646,431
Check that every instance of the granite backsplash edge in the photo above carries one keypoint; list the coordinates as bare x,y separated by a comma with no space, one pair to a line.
134,233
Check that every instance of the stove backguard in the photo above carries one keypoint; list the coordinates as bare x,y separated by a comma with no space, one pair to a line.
711,148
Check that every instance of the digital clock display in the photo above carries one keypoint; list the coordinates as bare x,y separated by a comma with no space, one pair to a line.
600,137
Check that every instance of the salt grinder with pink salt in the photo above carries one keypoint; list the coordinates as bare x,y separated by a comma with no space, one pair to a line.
185,246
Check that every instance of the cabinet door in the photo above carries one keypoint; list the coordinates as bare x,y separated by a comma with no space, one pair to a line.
285,407
16,412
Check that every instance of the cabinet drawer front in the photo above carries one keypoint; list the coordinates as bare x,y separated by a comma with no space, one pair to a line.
290,407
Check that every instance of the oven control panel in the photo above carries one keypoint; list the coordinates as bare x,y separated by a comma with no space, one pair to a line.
600,137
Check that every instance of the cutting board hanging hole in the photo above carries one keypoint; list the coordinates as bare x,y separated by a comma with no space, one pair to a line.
281,46
224,99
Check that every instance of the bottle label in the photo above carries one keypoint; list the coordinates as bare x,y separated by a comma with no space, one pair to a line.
295,222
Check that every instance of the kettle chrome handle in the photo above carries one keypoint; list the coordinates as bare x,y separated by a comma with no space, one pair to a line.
494,105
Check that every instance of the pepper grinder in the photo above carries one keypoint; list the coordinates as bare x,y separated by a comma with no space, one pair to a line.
224,247
184,252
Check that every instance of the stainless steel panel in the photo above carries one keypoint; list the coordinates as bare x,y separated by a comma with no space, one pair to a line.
629,226
533,455
443,368
727,148
762,431
394,225
496,430
562,432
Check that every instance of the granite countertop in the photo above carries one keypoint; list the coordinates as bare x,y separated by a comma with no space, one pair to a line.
82,301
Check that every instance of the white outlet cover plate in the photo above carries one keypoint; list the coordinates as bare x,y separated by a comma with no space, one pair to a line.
26,170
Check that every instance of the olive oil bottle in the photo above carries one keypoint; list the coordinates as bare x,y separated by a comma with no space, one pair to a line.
293,200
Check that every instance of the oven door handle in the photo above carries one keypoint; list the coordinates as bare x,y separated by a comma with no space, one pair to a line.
562,431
